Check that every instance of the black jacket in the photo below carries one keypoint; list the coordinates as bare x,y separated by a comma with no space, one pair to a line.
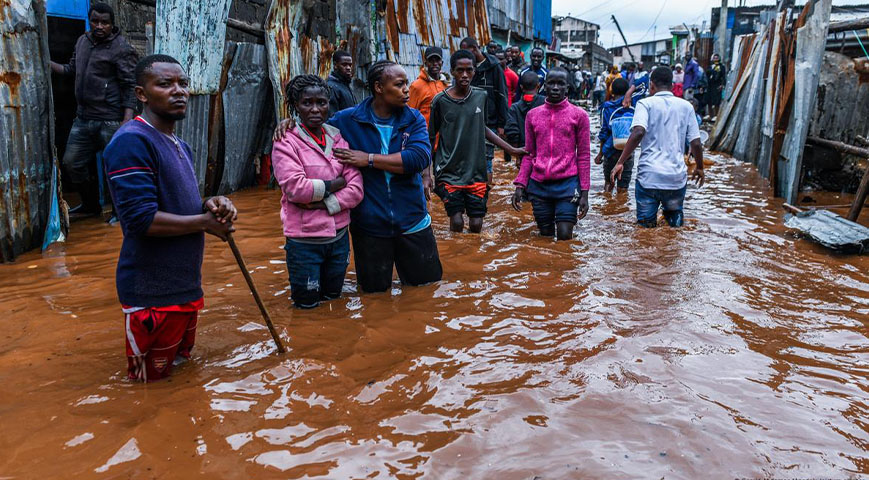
342,97
490,78
104,76
515,129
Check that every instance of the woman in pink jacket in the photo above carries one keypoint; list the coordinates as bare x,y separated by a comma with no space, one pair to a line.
555,176
318,193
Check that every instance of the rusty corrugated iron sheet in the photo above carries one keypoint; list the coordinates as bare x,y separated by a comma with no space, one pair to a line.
194,32
244,99
513,16
412,25
811,41
194,130
293,47
27,156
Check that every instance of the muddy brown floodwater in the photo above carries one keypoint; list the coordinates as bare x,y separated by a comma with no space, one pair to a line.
729,348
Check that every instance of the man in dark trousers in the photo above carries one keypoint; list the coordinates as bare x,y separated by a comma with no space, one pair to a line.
490,78
164,221
339,82
102,64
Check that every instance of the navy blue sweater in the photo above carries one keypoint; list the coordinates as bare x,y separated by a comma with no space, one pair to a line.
388,209
147,172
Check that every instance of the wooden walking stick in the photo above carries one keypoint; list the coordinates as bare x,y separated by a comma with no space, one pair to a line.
259,302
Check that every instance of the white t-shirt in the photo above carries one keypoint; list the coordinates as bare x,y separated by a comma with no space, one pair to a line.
669,122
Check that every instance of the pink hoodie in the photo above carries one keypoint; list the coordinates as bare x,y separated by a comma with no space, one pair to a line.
300,168
558,141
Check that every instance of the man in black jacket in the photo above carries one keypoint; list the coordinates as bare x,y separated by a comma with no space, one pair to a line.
339,82
102,63
490,78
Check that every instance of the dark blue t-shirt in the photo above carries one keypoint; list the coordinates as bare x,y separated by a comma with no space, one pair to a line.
148,171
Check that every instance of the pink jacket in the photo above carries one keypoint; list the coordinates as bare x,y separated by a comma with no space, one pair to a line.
300,169
558,141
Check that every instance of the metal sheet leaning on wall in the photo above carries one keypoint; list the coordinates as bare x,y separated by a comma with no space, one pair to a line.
26,128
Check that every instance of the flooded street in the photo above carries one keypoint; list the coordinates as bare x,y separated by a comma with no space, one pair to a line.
729,348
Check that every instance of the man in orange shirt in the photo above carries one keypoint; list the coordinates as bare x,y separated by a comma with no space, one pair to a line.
429,83
422,91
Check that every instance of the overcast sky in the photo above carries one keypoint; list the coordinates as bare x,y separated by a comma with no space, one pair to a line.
639,19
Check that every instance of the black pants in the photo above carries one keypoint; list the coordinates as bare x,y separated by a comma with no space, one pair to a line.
415,257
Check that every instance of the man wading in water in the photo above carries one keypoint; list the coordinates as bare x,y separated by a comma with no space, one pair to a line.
163,218
661,126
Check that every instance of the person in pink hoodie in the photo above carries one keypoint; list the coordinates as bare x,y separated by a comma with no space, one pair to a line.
555,176
317,194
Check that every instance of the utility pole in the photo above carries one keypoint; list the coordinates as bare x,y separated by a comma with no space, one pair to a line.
722,33
625,39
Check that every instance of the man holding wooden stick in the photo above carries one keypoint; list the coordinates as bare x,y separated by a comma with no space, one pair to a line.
164,219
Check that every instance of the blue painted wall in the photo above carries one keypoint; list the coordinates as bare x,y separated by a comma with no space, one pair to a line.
543,20
68,8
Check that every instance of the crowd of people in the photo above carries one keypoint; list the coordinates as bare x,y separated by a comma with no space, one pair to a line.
363,172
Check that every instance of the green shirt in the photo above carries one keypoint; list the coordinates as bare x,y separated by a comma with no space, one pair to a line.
460,155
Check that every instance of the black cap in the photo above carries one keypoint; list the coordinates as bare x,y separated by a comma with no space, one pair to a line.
433,52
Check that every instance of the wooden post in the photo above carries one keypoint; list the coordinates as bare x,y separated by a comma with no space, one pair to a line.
863,189
860,199
256,297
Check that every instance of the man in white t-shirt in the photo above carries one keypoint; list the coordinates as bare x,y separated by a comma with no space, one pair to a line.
662,125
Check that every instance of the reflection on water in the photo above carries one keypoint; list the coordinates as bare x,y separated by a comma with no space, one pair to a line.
729,348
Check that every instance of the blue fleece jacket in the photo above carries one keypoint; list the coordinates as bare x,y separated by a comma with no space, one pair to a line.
394,206
147,172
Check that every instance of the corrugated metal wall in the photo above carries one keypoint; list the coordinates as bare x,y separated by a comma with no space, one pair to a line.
26,127
411,25
543,20
244,98
295,46
514,16
194,32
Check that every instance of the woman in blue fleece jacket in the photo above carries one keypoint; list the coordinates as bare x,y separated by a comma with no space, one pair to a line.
389,145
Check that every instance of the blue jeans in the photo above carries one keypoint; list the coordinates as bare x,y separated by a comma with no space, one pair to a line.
317,271
649,200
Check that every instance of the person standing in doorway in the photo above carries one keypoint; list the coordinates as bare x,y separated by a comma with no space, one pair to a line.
662,124
490,78
164,221
339,82
102,63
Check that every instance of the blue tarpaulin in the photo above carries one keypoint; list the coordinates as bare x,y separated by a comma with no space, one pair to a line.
67,8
